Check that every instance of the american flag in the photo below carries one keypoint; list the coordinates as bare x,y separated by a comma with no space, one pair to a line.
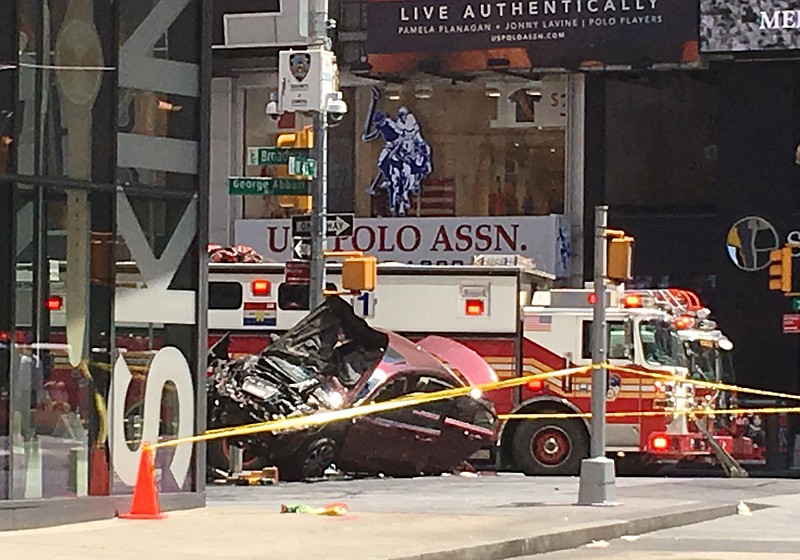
542,323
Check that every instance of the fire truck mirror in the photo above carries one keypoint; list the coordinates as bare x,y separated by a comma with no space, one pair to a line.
293,297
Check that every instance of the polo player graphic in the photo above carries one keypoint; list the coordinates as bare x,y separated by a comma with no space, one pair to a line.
405,159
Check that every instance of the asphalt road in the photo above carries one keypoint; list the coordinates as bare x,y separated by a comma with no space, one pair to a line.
768,534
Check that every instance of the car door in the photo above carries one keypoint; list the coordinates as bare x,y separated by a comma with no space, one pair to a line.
396,443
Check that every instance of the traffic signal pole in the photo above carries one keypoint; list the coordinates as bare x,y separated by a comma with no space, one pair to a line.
319,212
597,482
318,24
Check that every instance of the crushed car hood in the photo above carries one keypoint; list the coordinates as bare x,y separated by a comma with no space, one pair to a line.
307,369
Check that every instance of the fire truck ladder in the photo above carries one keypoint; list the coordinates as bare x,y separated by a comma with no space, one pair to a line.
732,467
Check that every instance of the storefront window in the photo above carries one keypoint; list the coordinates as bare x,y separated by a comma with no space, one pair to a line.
64,75
88,102
484,148
437,148
155,311
435,170
57,414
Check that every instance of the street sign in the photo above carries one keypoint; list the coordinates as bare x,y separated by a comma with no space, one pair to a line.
301,249
297,272
267,186
337,225
791,323
303,167
274,156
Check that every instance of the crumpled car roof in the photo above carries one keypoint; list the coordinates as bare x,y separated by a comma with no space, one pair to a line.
472,367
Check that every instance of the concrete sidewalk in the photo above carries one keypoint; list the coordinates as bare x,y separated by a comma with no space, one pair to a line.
432,519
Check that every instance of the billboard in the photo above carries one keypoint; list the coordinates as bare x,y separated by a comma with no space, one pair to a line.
749,25
404,36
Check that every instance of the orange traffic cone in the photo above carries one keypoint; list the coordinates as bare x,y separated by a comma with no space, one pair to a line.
145,493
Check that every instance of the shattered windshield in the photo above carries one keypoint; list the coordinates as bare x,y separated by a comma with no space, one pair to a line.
331,341
661,344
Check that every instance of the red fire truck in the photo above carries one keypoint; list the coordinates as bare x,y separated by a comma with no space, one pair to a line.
511,315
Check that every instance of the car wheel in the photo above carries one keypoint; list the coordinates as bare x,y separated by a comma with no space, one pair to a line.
218,456
311,461
550,447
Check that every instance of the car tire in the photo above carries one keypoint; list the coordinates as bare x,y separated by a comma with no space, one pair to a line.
311,461
547,447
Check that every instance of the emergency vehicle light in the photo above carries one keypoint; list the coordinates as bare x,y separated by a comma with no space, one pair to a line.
660,443
474,307
592,299
535,385
683,322
632,301
54,303
260,287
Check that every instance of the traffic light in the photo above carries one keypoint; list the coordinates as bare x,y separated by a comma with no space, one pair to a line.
620,258
780,269
299,139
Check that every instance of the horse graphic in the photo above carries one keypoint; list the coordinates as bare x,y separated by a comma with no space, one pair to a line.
405,159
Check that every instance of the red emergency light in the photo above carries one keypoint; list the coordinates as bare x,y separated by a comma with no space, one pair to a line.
592,299
54,303
260,287
660,443
474,307
535,385
632,301
683,322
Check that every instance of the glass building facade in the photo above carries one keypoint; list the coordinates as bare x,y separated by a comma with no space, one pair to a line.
103,206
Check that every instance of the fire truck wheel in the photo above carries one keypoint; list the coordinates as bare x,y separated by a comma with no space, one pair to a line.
550,447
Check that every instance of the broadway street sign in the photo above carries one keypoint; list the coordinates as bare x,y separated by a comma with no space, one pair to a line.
337,225
274,156
267,186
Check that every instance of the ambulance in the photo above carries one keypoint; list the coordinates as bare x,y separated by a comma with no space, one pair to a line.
508,312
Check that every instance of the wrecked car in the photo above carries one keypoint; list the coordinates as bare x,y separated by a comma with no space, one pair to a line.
333,359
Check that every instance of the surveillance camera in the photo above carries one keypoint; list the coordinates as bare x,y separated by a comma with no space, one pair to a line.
336,105
272,110
335,119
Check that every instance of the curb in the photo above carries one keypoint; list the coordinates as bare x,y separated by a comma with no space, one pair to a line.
574,538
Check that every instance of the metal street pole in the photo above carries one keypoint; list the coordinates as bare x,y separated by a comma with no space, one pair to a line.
597,483
318,25
319,211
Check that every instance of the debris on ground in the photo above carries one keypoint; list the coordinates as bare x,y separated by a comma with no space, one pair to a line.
335,509
743,509
630,538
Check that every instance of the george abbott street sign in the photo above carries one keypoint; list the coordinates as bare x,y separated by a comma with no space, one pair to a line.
267,186
336,225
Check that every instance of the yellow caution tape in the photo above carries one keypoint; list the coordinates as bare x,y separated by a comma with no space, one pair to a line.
321,418
652,413
699,383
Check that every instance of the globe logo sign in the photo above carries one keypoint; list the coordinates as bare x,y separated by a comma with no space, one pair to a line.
749,242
